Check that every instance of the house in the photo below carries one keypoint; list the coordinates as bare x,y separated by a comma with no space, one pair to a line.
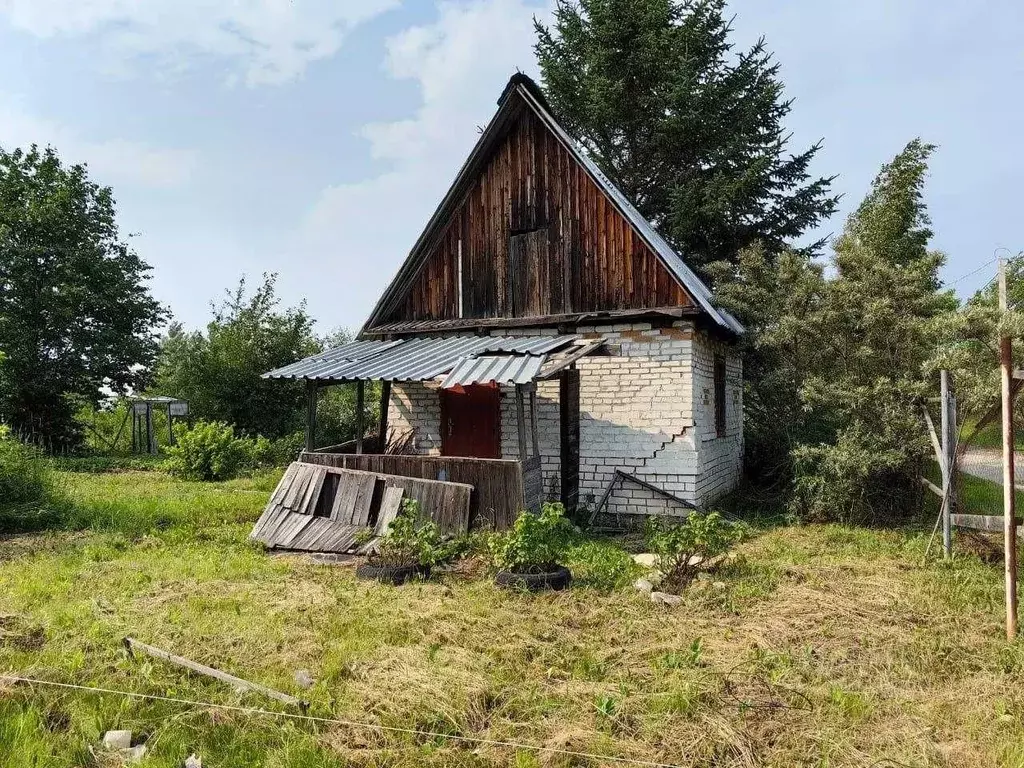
540,318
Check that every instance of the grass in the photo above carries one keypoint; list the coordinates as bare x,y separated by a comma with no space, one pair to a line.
820,646
976,495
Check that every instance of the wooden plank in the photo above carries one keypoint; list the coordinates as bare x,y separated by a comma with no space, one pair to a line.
495,485
364,485
295,493
202,669
991,523
933,487
934,436
390,505
307,505
344,499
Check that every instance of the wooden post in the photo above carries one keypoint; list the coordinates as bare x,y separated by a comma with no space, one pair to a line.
1009,487
170,426
946,465
310,415
533,420
382,430
360,414
150,431
521,420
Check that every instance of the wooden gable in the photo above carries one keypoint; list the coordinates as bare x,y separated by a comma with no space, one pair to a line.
531,234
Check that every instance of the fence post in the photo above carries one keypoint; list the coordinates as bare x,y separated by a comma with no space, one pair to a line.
1009,488
948,431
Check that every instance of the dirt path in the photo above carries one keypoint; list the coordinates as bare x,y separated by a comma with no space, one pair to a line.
987,463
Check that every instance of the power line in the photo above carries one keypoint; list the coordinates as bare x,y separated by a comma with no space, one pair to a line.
974,272
353,723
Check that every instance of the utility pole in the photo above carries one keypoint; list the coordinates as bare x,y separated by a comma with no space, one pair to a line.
1009,487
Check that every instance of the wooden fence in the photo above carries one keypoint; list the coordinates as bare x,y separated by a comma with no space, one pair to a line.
498,490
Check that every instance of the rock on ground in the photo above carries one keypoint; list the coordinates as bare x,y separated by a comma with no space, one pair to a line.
666,599
117,739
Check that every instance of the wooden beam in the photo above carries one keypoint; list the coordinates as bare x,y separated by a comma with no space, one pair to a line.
948,432
533,421
557,364
385,329
933,488
936,443
237,682
1009,486
991,523
311,396
521,421
382,429
360,414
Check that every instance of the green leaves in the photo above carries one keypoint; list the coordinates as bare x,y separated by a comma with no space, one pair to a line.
691,131
535,542
219,371
683,547
410,541
838,366
75,309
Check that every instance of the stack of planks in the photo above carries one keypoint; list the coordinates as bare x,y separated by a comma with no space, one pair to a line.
323,509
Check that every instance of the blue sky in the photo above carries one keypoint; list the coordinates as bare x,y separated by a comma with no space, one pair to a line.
313,138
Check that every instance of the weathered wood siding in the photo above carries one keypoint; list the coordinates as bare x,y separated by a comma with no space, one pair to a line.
537,237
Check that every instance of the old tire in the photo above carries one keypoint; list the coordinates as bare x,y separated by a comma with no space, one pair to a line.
391,574
560,578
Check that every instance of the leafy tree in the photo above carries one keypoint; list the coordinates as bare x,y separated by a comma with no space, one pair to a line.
76,314
219,371
840,366
690,132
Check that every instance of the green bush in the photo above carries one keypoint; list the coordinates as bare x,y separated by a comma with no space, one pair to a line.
683,548
209,451
536,543
409,541
24,475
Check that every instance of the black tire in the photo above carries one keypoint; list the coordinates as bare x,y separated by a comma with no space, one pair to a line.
558,579
391,574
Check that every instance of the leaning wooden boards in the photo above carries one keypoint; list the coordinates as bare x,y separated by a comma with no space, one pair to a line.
322,509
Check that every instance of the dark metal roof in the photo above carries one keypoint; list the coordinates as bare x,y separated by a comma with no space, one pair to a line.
418,359
534,97
501,369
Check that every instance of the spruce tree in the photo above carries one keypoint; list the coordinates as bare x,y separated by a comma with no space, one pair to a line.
692,133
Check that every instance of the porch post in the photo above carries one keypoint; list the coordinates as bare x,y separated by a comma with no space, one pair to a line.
310,415
385,398
533,418
360,416
521,419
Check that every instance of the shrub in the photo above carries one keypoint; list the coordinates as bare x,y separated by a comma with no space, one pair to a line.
683,548
24,475
408,541
209,451
536,543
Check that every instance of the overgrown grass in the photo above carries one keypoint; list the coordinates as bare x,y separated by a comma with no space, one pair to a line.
820,645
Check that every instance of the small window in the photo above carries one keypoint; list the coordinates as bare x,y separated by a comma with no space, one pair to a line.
719,396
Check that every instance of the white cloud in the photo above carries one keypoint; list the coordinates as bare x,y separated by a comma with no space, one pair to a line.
111,162
359,233
270,41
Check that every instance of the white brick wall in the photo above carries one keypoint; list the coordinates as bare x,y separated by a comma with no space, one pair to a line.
648,409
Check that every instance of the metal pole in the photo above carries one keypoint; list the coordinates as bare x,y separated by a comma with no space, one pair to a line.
1009,488
947,468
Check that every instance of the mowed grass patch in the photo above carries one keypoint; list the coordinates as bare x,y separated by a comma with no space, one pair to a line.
818,645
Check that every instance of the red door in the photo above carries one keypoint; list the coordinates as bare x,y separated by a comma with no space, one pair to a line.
471,422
